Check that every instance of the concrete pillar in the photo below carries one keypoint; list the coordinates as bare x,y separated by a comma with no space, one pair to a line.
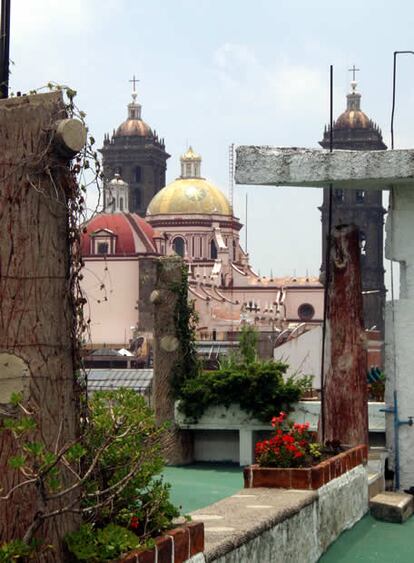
37,309
246,454
399,324
167,349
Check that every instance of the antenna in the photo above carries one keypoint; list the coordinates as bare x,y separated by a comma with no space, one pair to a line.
4,48
245,226
231,174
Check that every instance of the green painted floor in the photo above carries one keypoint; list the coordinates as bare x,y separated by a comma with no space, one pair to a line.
201,484
371,540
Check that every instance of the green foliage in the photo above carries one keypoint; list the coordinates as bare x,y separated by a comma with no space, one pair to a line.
15,550
127,465
315,450
259,388
185,318
95,545
248,338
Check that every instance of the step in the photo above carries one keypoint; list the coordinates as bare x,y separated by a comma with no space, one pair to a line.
392,507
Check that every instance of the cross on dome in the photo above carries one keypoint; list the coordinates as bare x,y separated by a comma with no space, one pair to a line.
135,80
354,83
134,108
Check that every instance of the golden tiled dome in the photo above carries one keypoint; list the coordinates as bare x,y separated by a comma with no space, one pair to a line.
353,119
189,196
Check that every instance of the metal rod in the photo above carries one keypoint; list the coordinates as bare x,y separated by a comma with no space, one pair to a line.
245,232
327,267
4,48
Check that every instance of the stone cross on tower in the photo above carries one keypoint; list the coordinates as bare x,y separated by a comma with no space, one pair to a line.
134,82
366,170
353,70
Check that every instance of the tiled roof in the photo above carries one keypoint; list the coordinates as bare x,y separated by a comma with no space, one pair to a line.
123,225
108,379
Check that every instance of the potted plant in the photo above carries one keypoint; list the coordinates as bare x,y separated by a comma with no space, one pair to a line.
293,459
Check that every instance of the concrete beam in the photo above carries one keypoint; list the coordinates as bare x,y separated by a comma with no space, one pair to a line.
273,166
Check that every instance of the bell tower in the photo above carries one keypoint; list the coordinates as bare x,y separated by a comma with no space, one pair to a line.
353,130
138,155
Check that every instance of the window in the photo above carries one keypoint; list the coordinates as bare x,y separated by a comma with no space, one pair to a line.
188,169
137,173
360,196
213,250
306,312
362,243
102,248
137,198
339,196
121,203
179,246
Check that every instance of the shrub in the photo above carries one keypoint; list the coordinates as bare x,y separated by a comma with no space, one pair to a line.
89,544
291,446
127,465
109,475
259,388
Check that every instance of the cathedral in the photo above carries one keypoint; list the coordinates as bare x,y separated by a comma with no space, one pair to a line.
192,218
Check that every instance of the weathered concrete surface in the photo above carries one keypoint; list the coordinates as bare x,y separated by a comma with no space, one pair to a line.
399,331
37,321
342,502
241,518
277,525
177,444
273,166
392,507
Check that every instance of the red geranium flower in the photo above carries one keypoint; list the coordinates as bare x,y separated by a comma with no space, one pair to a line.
134,523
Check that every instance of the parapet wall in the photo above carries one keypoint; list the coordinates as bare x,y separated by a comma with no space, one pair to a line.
278,525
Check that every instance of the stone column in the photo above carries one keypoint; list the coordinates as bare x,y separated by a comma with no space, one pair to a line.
37,311
177,444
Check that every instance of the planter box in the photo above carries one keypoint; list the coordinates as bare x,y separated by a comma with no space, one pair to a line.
174,546
305,478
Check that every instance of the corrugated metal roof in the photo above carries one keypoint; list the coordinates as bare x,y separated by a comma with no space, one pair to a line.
106,379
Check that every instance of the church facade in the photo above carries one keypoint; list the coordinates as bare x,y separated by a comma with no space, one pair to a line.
353,130
189,217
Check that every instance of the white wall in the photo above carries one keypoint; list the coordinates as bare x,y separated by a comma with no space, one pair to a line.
303,354
111,288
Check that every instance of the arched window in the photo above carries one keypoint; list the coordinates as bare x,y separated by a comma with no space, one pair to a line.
213,250
306,312
179,246
121,204
137,173
339,196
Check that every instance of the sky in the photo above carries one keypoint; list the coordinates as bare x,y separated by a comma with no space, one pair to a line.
216,72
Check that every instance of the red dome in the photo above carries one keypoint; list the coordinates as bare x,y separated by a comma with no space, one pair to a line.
131,232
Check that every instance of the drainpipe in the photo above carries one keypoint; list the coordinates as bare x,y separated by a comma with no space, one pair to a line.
397,423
